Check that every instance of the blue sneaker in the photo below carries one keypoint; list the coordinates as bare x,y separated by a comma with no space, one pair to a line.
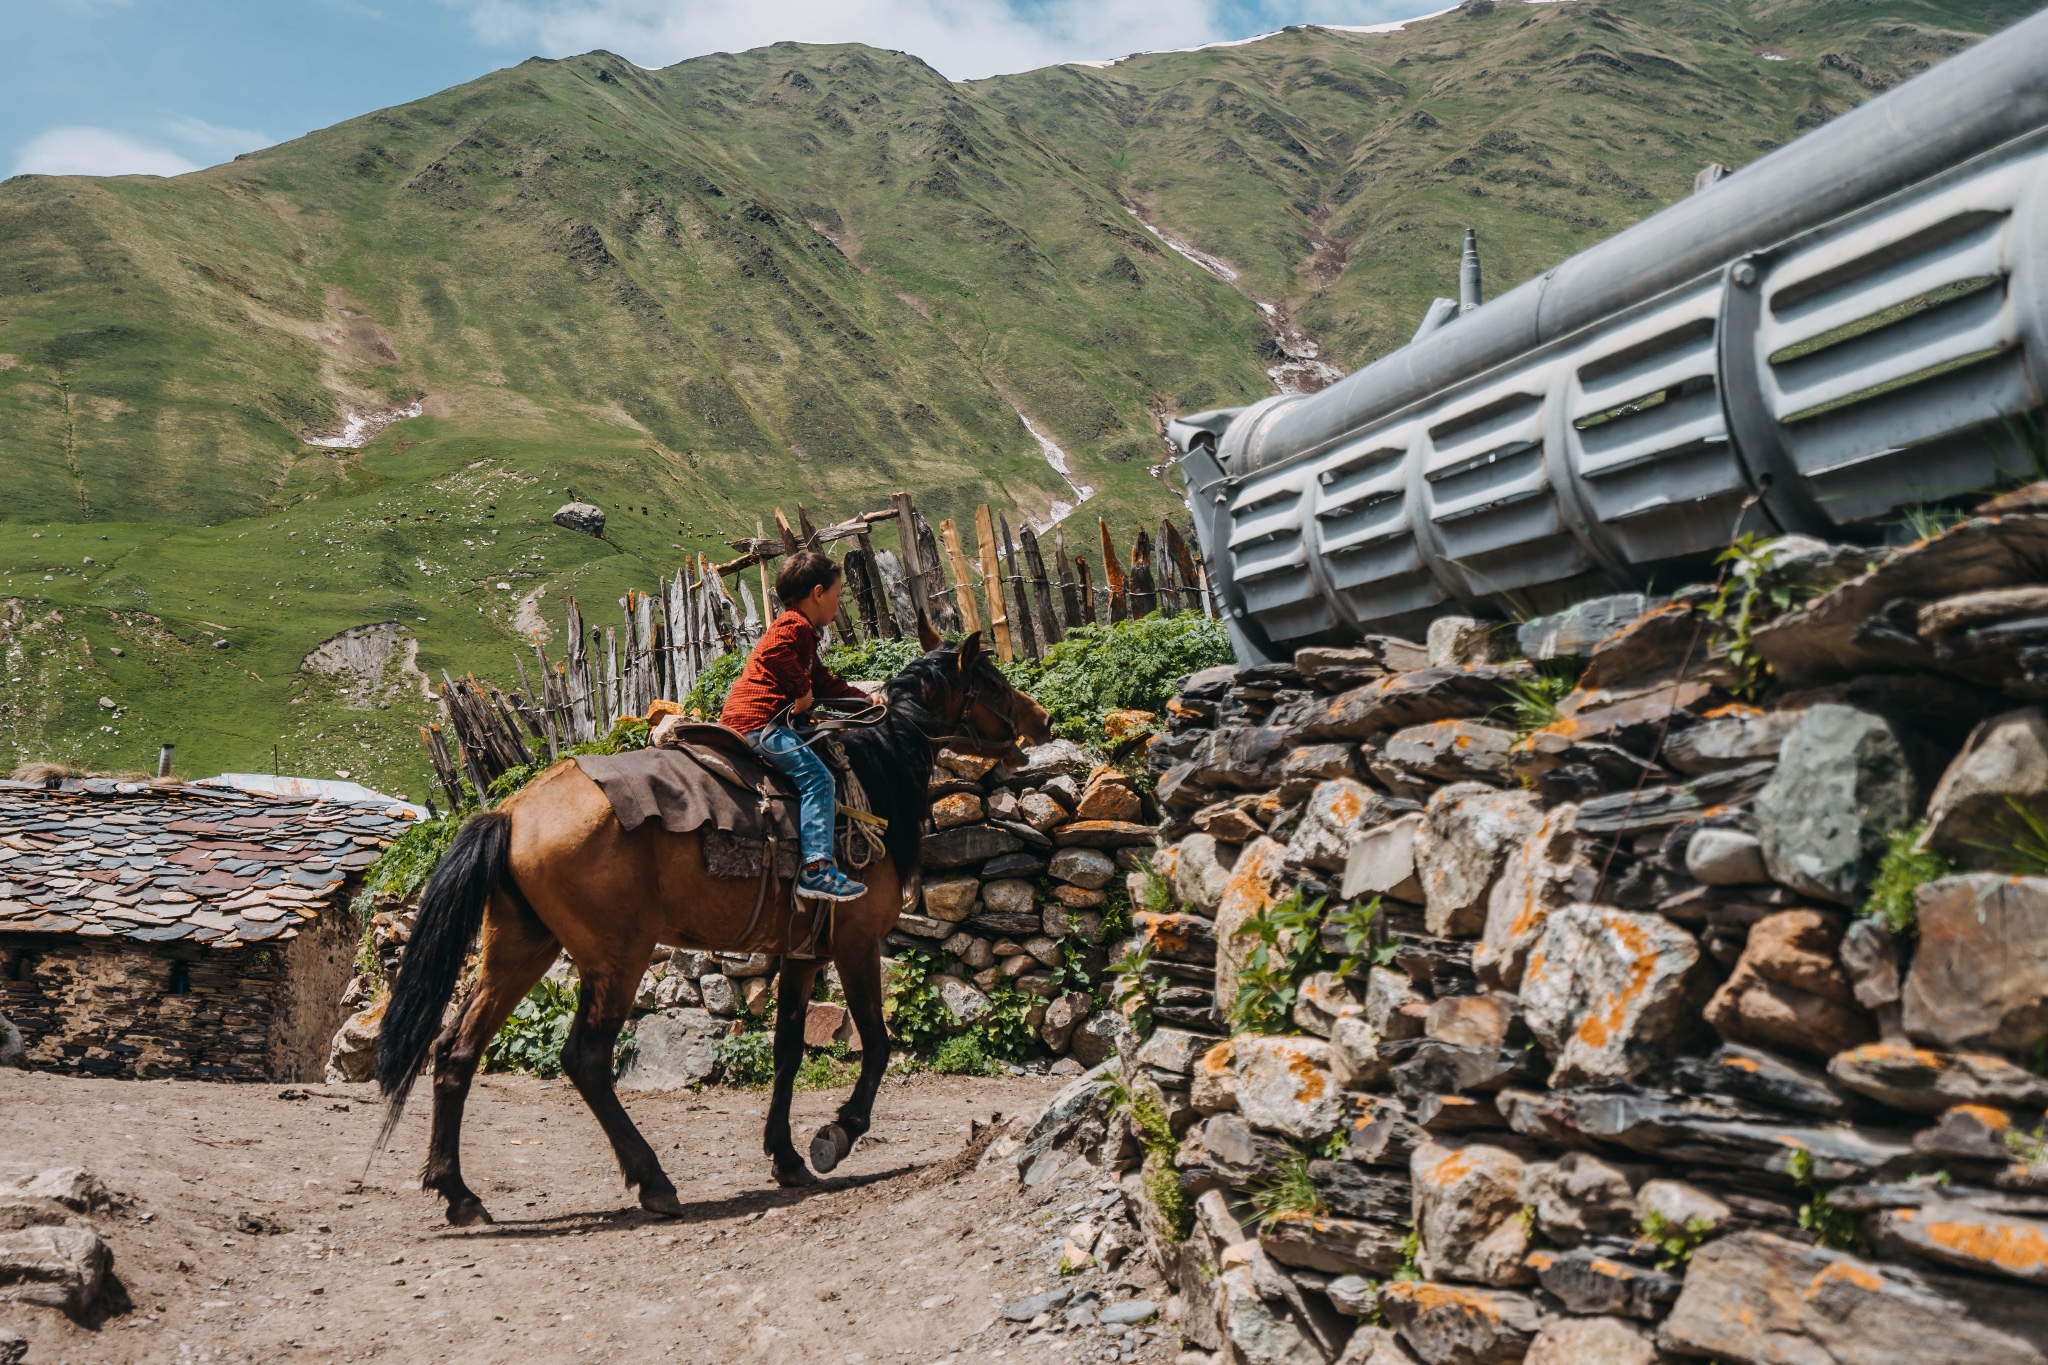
825,882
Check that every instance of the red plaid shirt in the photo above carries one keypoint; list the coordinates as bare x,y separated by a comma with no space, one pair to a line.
783,667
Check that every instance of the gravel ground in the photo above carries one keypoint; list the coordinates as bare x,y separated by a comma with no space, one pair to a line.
243,1232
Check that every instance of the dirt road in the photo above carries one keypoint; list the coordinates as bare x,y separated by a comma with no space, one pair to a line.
243,1234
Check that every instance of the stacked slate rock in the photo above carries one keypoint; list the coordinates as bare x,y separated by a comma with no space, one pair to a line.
1626,1072
1018,867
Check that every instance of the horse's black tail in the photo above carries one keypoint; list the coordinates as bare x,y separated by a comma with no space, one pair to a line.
451,912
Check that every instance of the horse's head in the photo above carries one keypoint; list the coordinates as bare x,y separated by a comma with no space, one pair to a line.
983,713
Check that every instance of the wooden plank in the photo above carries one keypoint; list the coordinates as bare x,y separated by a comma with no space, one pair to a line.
963,586
1041,589
1184,566
944,617
790,543
885,610
1113,575
1027,634
1144,592
810,532
1087,589
855,563
913,561
1069,601
992,582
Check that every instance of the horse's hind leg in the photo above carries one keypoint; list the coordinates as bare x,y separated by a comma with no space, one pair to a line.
601,1011
516,951
792,1003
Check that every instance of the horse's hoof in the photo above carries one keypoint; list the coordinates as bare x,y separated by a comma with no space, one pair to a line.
663,1202
830,1147
469,1212
794,1178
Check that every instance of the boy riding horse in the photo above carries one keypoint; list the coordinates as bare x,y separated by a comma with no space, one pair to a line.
781,679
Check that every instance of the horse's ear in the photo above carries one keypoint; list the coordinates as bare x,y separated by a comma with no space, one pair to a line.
970,652
926,636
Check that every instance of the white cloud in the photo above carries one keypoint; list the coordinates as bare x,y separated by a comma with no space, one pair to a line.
962,38
965,39
95,151
213,141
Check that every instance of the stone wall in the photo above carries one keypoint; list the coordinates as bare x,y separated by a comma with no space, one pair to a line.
1699,1010
115,1007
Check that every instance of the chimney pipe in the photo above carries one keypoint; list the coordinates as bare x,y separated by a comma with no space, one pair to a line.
1468,274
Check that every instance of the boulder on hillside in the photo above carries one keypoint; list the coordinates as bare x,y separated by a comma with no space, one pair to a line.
1844,782
584,518
55,1267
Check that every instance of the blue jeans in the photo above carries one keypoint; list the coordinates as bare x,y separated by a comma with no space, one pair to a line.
818,793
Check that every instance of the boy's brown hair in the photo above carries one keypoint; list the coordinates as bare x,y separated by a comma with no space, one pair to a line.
801,573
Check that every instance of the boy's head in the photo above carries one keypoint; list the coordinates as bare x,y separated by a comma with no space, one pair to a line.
809,583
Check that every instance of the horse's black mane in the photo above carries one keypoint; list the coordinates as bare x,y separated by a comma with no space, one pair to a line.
894,759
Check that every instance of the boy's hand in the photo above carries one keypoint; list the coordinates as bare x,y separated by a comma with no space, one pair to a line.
801,704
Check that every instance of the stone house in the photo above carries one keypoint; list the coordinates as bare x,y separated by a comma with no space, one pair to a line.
181,931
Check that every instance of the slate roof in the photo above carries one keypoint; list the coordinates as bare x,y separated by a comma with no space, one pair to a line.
156,863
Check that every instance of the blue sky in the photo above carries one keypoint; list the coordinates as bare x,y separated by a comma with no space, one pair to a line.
104,87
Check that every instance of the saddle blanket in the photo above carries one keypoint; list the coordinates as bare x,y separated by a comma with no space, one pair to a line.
715,788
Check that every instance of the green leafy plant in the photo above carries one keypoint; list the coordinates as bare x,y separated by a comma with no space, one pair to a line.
1356,922
707,697
1745,598
1900,873
1155,894
1288,950
531,1040
1131,665
1675,1242
1831,1227
872,660
1162,1174
1287,1190
917,1017
1116,910
1135,980
827,1068
2030,1148
407,862
963,1055
746,1060
1411,1252
1336,1146
1532,702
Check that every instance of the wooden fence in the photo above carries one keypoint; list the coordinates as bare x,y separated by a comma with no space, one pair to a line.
669,637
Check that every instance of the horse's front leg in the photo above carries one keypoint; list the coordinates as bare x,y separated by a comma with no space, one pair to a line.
860,976
792,1002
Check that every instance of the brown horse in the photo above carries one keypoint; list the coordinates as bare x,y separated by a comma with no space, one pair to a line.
551,870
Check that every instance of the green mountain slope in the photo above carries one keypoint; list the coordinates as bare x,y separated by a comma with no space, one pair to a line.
800,273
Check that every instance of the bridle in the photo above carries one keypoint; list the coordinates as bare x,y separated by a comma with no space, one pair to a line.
970,697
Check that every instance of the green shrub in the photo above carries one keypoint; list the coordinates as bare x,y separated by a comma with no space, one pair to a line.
747,1060
707,698
407,862
531,1040
1532,702
1675,1242
872,660
916,1016
1288,951
1900,873
1132,665
1831,1227
962,1055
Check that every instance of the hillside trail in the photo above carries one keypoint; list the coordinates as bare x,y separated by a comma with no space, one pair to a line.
242,1233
